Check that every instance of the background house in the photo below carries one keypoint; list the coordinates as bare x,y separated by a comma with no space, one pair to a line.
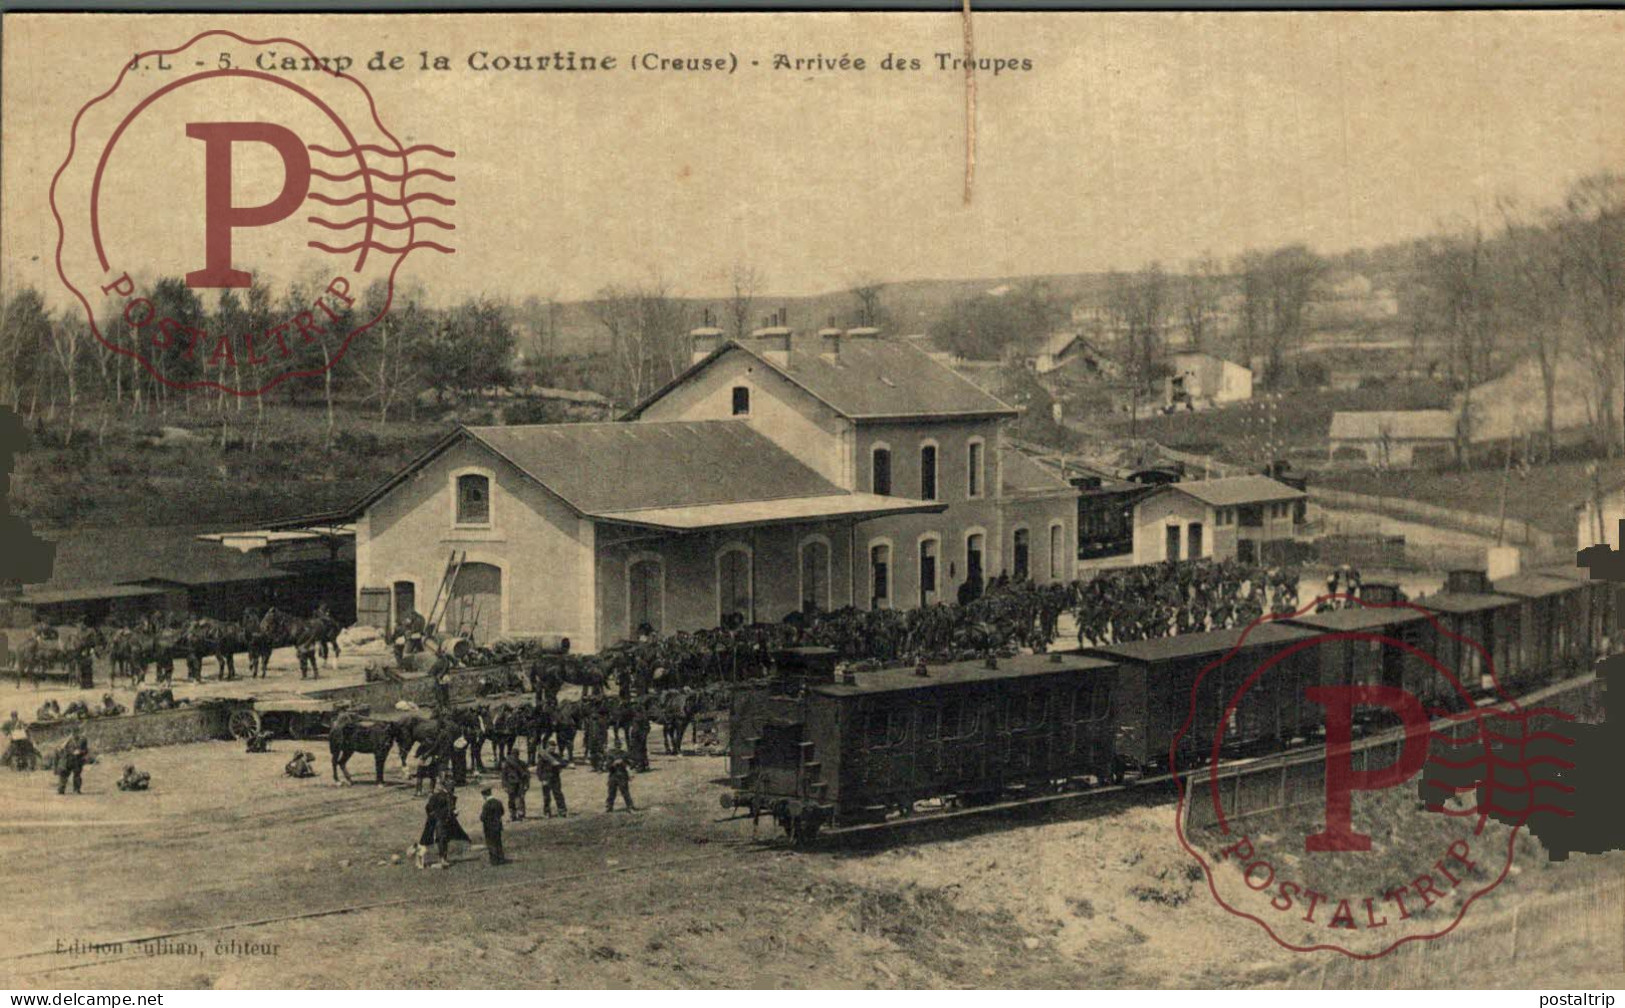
1392,438
1239,517
1597,517
1203,378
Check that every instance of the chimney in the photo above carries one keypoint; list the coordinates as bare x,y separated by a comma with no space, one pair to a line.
776,340
704,340
829,343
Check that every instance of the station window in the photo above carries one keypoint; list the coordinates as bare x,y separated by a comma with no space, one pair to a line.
741,402
880,571
928,472
473,499
880,472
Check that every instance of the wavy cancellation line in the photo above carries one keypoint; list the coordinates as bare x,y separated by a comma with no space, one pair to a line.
386,200
375,149
381,174
380,222
378,246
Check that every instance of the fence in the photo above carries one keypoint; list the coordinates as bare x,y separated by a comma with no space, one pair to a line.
1586,925
1298,779
1517,532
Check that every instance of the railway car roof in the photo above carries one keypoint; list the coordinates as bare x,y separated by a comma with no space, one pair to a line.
1534,585
1464,602
958,673
1209,643
1359,617
1566,571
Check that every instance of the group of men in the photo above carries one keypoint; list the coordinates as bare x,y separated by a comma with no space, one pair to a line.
441,827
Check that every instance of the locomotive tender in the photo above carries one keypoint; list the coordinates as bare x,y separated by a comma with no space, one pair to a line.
814,751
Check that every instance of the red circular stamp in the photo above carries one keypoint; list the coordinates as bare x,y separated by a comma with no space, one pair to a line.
1381,796
217,168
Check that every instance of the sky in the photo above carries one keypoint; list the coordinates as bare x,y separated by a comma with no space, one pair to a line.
1133,137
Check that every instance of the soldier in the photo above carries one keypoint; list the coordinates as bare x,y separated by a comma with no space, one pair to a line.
565,724
440,675
441,827
71,760
110,707
637,737
620,781
515,781
596,732
305,649
300,765
491,824
20,751
259,741
134,780
548,767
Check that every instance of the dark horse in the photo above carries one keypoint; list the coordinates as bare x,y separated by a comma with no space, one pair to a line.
351,735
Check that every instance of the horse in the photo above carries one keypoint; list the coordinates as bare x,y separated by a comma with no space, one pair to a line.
206,636
350,735
676,712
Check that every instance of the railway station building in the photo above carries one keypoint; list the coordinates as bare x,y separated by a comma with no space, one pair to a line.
776,474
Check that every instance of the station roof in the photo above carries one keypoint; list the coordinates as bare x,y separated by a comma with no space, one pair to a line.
1208,644
961,673
88,593
769,512
1464,602
1534,585
679,476
874,378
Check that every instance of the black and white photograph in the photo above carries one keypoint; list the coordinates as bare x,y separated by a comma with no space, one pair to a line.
793,501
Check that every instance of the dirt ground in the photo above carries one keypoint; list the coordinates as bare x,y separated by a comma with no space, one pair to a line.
228,860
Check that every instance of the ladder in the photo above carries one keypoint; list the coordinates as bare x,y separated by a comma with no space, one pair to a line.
448,584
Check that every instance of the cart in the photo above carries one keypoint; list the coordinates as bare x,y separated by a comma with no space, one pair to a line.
290,716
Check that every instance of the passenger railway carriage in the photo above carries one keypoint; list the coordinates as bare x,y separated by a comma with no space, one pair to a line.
1154,693
1355,661
813,750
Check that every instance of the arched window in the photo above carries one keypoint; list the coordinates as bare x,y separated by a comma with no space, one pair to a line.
975,481
974,549
473,499
880,576
930,548
815,576
928,471
1023,554
645,594
880,471
734,585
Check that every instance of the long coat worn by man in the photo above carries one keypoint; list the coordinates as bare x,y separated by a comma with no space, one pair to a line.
440,825
71,760
491,825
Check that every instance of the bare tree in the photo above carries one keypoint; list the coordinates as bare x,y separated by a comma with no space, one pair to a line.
1461,298
1537,291
383,359
747,284
1591,229
1199,300
870,311
647,336
67,338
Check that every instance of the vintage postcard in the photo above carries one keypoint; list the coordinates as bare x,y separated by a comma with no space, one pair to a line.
860,500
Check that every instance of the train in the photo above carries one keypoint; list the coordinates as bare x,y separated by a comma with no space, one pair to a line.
819,748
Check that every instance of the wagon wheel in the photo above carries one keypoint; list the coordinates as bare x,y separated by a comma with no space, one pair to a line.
244,722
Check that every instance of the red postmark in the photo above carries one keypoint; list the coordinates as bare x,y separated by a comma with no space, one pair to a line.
198,173
1376,857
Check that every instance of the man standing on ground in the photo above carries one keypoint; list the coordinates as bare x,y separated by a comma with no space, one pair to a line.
515,781
549,764
620,781
491,823
71,760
